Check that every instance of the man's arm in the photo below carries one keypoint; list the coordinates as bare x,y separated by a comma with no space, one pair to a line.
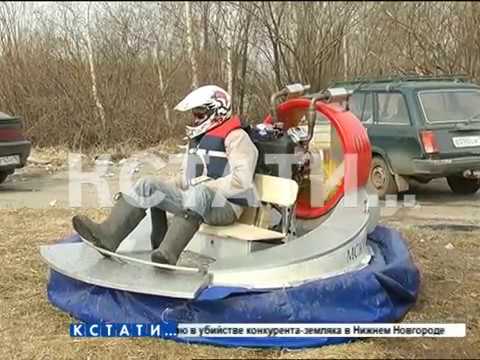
242,157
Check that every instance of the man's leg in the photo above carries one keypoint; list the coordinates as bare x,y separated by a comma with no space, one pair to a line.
121,221
129,210
221,215
199,205
152,192
161,197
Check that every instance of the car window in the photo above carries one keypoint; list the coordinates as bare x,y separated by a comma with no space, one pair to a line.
392,109
450,105
361,105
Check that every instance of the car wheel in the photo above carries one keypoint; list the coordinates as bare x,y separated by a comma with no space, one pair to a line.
3,176
381,179
461,185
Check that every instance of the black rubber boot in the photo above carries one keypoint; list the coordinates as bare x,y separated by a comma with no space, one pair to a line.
108,235
159,227
180,232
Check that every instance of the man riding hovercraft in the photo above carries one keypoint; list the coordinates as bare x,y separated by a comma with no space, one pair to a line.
214,186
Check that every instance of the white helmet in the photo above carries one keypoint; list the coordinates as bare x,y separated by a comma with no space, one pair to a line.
210,105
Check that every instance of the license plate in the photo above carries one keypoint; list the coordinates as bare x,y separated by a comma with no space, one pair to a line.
9,160
466,141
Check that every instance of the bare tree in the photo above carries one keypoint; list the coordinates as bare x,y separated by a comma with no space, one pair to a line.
191,51
108,76
98,103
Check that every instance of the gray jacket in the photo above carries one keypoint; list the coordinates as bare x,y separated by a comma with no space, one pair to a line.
242,157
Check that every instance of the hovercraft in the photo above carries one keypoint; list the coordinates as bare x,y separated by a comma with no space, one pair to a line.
312,253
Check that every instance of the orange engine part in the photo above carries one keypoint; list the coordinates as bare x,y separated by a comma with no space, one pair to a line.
356,147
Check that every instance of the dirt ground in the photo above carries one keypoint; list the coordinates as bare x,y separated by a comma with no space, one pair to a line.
442,231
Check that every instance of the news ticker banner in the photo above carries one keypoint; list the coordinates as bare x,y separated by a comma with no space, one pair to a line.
231,330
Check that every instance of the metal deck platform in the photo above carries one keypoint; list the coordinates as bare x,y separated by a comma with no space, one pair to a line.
82,262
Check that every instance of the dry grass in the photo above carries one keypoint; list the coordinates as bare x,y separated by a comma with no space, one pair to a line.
30,327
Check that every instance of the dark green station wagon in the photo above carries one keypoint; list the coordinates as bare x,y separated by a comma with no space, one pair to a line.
420,128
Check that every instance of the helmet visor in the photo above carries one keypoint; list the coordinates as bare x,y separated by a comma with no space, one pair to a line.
200,114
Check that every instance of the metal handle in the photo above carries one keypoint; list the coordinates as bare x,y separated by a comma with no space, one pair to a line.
312,113
338,94
329,95
287,90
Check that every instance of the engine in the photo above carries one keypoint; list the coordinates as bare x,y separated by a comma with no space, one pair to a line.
281,153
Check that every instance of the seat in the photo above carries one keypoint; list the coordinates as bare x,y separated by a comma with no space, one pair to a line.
271,190
241,231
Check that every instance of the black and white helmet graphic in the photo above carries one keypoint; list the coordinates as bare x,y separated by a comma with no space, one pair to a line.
210,105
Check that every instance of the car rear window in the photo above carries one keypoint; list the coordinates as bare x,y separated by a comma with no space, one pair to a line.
441,106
